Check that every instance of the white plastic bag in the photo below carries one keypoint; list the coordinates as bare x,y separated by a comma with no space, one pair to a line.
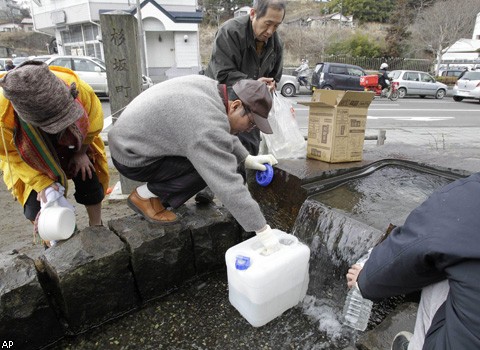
287,140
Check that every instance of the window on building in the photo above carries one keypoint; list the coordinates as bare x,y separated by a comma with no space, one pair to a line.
81,40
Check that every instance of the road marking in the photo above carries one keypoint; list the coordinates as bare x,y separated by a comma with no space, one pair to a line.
419,119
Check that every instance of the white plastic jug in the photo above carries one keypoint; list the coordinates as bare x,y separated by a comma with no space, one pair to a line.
263,287
56,222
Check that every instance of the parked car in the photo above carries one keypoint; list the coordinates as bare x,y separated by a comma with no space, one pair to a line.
452,72
337,76
41,58
2,63
412,82
467,86
92,70
18,60
288,85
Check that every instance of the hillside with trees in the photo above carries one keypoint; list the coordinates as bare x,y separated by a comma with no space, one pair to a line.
22,43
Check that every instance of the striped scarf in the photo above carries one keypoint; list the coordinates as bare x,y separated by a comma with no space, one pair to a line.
37,150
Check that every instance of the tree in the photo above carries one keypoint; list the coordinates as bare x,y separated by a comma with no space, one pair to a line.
364,10
398,33
438,27
358,45
419,5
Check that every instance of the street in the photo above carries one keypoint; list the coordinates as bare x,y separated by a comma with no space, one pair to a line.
411,120
416,121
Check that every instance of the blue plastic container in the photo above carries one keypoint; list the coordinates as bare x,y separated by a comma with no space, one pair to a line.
265,177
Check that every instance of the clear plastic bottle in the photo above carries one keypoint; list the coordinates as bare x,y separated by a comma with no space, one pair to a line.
357,309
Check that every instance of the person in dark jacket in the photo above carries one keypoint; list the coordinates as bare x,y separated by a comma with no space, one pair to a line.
436,250
9,65
383,78
248,47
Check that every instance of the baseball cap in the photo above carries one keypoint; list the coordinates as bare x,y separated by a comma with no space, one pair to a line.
258,99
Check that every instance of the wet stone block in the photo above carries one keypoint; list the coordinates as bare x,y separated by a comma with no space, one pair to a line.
26,319
401,319
161,255
336,241
89,278
293,181
213,231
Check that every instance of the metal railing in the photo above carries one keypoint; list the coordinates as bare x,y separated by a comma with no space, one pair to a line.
373,63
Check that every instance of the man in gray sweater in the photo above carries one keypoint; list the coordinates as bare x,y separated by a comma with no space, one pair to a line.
179,136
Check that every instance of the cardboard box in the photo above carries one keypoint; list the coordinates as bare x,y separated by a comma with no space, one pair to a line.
336,125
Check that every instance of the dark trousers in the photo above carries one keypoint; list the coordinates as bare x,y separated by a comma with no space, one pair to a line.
88,192
173,179
303,81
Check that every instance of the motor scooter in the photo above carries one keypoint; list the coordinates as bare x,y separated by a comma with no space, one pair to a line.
370,83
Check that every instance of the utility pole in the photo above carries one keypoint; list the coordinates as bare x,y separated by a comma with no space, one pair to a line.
141,40
341,13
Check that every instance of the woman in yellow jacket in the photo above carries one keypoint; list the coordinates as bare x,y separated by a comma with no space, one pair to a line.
50,122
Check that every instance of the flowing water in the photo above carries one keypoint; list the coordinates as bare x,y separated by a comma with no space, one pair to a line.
341,224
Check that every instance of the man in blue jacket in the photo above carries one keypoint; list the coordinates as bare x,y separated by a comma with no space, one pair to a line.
436,250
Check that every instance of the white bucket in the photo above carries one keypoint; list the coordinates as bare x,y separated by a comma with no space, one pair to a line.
56,223
262,287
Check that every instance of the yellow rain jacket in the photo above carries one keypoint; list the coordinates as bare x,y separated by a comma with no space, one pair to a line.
19,177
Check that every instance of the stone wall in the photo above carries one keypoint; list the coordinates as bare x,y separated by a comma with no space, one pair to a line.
102,273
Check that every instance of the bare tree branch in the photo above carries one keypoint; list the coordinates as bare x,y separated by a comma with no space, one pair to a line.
438,27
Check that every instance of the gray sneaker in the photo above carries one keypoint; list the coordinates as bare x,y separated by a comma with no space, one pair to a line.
401,341
205,196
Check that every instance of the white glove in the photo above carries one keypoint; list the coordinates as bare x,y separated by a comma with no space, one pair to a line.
269,240
256,162
56,196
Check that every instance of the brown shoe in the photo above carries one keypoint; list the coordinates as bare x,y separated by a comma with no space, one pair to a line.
151,209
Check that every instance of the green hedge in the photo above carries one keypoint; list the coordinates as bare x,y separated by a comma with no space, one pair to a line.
447,80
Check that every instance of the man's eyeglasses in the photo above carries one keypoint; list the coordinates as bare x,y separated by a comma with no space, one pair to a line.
250,118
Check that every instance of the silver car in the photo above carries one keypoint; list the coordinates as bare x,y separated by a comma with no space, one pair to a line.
467,86
92,70
411,82
288,85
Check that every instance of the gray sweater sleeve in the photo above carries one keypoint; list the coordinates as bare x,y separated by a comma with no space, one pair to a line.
217,164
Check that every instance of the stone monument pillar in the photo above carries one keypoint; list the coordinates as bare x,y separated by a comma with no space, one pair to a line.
122,58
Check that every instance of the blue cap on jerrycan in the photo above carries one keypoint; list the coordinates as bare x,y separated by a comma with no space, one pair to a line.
242,262
265,177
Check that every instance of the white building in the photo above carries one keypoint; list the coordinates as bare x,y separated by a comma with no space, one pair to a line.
10,27
27,24
170,30
464,52
321,21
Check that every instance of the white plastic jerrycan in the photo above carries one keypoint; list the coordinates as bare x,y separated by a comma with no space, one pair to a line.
262,287
56,222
